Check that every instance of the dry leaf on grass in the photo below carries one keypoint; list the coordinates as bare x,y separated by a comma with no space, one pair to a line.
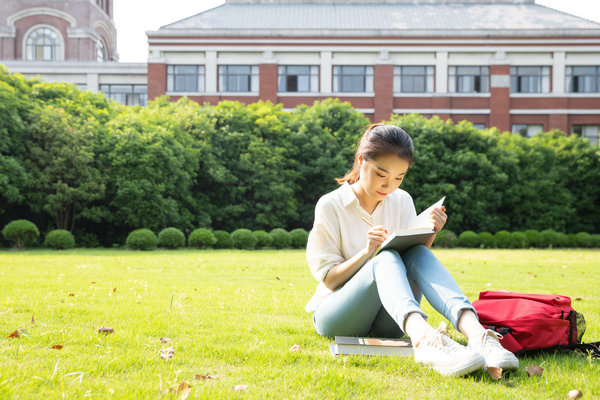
278,278
205,377
32,320
114,289
577,298
295,349
15,334
167,353
165,340
534,370
106,330
57,347
443,328
575,394
239,388
495,372
71,294
183,391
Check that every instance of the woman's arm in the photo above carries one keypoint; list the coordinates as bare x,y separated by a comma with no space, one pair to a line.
341,273
439,220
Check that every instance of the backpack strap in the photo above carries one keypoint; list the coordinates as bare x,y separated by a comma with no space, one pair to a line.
592,348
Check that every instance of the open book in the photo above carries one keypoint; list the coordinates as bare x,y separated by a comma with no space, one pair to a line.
371,346
419,230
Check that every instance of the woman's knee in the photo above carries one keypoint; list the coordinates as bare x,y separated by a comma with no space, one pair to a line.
388,260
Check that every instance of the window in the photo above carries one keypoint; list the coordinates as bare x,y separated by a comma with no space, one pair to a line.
413,79
129,95
588,131
100,51
238,78
466,79
353,79
530,79
298,78
583,79
479,126
43,44
527,130
185,78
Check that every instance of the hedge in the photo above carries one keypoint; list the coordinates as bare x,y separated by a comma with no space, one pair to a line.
59,239
20,232
142,239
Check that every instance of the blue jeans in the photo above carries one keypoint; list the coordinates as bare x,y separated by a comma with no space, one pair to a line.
379,297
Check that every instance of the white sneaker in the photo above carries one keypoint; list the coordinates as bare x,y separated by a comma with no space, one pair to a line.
490,348
446,356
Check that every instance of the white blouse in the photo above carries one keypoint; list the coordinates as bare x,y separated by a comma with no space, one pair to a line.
339,232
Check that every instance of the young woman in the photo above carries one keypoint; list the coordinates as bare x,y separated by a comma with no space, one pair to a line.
359,294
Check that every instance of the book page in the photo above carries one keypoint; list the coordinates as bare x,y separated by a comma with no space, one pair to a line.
423,220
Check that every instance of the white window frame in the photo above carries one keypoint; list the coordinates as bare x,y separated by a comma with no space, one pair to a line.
455,78
200,76
58,50
523,80
569,79
339,75
252,76
402,71
312,76
527,130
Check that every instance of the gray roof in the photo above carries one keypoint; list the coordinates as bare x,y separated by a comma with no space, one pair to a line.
399,18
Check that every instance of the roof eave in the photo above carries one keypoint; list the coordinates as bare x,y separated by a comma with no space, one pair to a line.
437,33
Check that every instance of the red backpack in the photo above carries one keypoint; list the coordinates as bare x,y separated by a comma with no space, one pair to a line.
532,321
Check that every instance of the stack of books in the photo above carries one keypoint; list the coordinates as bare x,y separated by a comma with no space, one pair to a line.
346,345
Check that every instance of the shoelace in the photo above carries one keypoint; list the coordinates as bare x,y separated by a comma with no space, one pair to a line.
445,343
492,343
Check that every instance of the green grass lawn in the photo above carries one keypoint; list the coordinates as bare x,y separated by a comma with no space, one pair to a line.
233,315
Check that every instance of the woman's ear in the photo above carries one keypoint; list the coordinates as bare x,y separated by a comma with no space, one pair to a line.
360,159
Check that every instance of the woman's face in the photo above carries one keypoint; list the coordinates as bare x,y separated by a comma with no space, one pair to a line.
381,176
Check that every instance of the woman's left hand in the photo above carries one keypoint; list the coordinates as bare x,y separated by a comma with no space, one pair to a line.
439,217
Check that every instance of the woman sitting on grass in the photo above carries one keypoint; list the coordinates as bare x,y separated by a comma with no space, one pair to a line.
359,295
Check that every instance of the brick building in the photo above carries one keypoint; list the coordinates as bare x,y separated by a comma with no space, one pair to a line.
512,64
73,41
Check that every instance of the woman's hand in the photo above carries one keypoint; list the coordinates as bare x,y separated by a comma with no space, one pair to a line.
375,237
439,217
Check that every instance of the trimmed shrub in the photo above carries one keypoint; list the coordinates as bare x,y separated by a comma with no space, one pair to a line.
171,238
488,241
584,239
519,240
59,239
469,239
20,232
596,240
263,239
548,238
503,239
533,237
142,239
223,240
445,238
572,240
298,238
243,239
201,238
562,240
281,238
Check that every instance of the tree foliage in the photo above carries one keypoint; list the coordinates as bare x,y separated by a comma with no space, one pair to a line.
72,159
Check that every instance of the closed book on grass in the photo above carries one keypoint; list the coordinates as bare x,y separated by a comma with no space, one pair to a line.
419,231
346,345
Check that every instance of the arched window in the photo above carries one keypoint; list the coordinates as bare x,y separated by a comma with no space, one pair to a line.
100,51
43,44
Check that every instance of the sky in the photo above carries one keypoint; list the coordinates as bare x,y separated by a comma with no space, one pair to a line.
134,17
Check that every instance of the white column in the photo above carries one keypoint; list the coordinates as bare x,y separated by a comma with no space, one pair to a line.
558,73
211,71
326,72
92,83
441,72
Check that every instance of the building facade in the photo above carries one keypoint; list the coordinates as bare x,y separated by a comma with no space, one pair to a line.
512,64
73,41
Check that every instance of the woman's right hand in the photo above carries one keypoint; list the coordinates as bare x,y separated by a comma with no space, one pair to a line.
375,236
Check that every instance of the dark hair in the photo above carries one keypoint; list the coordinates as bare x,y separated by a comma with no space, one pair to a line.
380,139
